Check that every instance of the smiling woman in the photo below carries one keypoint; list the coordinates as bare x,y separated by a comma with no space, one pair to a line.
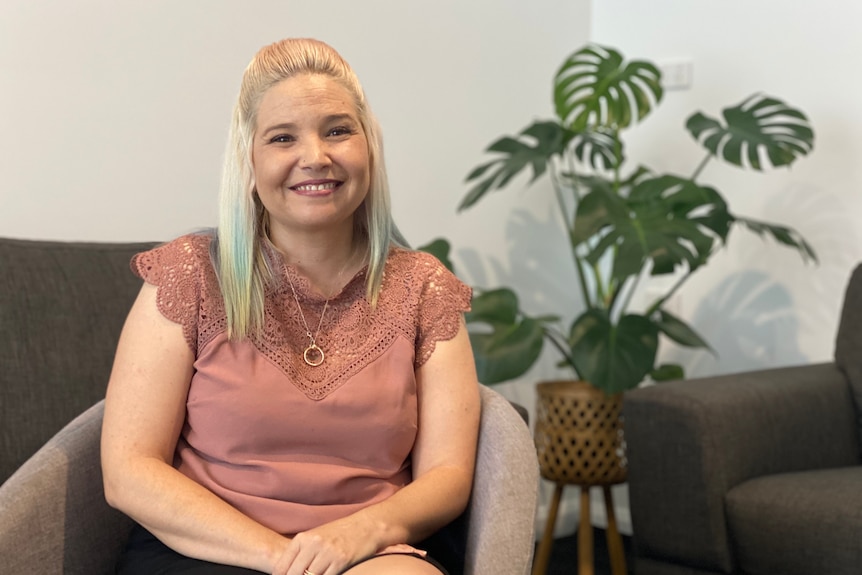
308,413
311,168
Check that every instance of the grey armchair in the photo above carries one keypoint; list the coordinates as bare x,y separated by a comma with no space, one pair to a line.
752,473
53,515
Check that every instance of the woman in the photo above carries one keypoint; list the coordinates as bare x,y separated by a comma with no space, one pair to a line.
294,394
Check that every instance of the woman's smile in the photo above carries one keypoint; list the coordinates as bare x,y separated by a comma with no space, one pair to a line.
316,187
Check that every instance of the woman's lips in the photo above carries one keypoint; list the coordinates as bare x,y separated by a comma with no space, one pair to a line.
316,187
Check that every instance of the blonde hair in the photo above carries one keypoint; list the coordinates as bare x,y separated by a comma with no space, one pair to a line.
241,265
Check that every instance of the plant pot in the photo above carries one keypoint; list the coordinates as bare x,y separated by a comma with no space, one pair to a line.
579,434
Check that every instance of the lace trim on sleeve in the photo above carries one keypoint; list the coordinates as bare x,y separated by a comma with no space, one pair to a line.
442,300
175,268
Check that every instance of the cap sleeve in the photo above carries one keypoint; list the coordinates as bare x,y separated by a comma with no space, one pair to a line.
176,270
442,300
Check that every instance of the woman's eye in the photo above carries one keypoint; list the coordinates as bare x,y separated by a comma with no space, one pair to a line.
340,131
281,139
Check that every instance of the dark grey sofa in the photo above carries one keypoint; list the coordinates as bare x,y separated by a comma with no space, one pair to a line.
752,473
62,306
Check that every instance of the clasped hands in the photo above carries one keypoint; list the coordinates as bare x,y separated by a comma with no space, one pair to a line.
330,549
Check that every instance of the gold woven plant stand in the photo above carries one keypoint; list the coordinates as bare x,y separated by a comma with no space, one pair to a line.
579,441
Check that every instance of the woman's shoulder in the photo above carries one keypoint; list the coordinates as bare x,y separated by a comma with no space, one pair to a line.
189,252
416,261
195,245
422,272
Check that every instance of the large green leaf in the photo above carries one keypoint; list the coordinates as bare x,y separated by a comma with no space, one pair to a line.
759,125
533,148
494,307
598,148
666,220
613,357
679,331
782,234
508,351
595,87
668,372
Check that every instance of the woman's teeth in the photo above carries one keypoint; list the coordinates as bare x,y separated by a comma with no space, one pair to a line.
316,187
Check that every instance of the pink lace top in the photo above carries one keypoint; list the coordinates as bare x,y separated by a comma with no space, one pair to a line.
291,445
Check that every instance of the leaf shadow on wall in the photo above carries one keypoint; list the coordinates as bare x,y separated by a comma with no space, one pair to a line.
746,319
538,266
776,310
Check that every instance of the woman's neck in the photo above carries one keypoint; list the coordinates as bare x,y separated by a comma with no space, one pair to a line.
327,260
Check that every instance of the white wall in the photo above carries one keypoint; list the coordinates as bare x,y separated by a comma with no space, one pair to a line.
758,304
113,117
114,114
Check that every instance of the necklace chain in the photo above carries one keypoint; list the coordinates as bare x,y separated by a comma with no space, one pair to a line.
313,354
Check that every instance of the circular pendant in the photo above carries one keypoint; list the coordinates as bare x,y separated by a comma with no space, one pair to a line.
313,355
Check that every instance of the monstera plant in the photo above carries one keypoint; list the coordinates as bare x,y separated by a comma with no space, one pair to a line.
622,223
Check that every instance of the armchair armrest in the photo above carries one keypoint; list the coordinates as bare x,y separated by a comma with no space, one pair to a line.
502,509
689,442
53,514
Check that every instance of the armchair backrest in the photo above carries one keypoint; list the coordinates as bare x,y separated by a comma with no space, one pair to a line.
848,343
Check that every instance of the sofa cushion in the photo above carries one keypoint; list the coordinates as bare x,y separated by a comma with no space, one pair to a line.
798,523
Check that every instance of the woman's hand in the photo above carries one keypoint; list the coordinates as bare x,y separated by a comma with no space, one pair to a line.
330,549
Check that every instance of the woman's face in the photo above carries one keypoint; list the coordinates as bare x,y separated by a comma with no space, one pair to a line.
310,156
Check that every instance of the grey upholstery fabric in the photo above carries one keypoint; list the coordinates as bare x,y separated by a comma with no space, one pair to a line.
799,523
646,566
691,442
54,519
848,344
502,543
53,515
62,306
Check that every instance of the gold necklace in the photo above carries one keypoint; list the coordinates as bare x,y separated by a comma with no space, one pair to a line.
313,354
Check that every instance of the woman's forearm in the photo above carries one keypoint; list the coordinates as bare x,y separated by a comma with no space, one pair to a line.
188,517
418,509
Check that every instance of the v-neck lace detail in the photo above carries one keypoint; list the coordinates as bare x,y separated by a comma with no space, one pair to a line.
420,300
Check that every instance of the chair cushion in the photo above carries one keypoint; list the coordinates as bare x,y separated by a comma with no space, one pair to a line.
798,523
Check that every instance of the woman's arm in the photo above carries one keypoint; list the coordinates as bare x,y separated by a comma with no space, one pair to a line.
144,413
443,459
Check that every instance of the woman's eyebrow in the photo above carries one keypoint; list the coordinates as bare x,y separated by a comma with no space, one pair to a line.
278,127
331,118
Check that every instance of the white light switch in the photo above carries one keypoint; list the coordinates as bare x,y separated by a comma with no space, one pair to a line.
676,74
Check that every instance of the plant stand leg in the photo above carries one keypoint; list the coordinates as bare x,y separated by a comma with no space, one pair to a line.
540,565
615,542
585,536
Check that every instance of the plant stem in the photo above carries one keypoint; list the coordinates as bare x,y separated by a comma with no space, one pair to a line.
570,230
552,335
700,167
660,302
618,151
600,284
628,296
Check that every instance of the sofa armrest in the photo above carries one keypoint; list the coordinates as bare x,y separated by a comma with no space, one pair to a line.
53,514
502,510
689,442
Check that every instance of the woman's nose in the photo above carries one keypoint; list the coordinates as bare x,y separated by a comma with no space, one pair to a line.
314,154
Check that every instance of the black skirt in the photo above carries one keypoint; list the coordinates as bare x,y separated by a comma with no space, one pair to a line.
147,555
